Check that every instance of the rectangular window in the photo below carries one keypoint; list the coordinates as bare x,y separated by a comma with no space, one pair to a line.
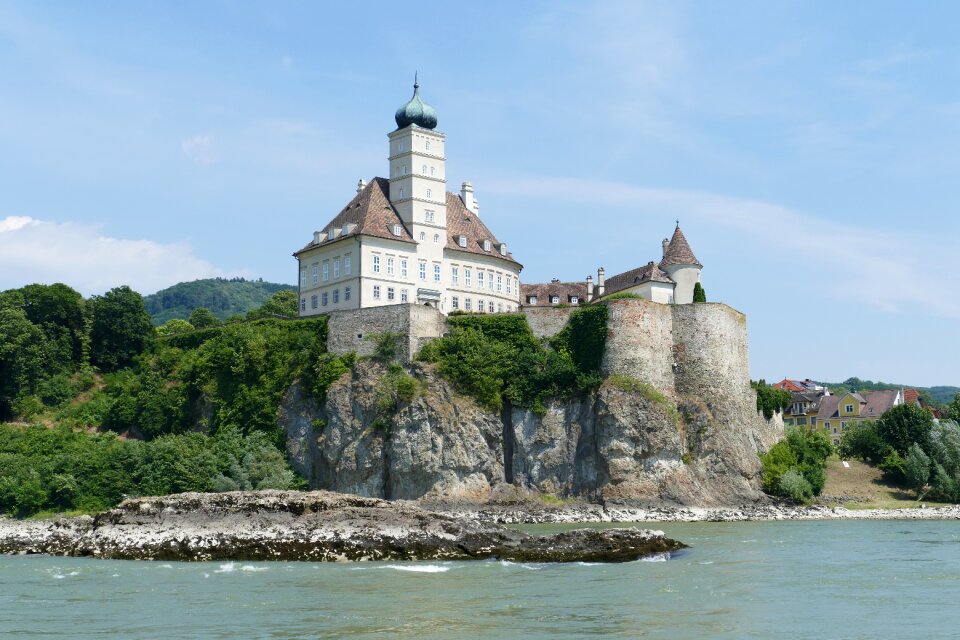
843,425
480,276
303,304
390,294
826,425
499,282
490,306
346,265
346,294
376,264
554,299
467,305
480,306
574,300
848,408
466,278
313,302
326,271
404,297
376,292
316,273
390,269
423,271
490,280
509,283
455,276
336,296
455,301
336,268
801,421
499,307
436,273
403,267
303,278
324,299
428,215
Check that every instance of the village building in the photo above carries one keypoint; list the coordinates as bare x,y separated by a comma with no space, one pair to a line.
837,413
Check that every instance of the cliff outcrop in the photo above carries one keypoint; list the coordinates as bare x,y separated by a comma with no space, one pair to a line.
624,443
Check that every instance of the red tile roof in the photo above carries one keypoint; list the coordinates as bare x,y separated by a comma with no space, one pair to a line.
462,221
564,290
678,251
650,272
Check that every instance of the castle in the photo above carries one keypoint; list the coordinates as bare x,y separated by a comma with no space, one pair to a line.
407,240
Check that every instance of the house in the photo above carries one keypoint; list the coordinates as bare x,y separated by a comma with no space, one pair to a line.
838,413
670,281
406,239
798,385
804,408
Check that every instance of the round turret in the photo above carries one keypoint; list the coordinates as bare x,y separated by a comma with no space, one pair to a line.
416,111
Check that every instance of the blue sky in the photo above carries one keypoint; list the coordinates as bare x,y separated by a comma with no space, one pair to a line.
809,149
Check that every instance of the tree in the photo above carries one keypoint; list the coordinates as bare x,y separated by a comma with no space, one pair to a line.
176,325
201,318
60,312
282,303
916,468
952,410
904,425
699,295
121,328
862,441
23,358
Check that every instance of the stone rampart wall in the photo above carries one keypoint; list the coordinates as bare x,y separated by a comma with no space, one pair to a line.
546,322
640,342
710,350
352,330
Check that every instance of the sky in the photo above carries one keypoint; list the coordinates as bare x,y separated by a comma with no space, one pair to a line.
809,149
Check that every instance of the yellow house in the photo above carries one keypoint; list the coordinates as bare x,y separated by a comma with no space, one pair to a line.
838,413
804,408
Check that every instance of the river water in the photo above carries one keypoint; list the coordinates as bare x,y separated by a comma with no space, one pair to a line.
825,579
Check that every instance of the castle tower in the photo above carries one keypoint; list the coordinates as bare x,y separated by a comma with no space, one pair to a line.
682,266
418,182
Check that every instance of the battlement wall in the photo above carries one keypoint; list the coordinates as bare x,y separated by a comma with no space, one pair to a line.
640,342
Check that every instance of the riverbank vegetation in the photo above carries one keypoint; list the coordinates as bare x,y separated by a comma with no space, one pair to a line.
794,468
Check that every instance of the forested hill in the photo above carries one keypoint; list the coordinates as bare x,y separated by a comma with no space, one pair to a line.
224,297
939,395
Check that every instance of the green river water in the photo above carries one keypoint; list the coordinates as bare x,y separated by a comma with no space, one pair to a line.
827,579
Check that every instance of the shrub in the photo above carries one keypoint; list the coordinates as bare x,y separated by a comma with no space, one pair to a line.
386,345
892,467
699,295
916,468
794,485
861,441
804,452
622,296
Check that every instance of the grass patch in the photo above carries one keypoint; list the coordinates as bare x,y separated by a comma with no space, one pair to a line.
646,391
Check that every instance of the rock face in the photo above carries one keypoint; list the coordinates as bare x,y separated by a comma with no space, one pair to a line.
277,525
617,445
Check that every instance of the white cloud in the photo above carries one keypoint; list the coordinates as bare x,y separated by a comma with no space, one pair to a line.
200,149
78,255
887,270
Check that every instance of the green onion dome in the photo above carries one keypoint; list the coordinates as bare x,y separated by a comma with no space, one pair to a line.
416,112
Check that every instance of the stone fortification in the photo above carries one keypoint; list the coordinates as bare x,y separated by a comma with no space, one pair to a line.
353,330
546,322
690,434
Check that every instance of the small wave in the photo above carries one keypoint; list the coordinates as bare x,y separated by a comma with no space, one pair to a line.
589,564
166,566
706,562
657,557
229,567
250,567
418,568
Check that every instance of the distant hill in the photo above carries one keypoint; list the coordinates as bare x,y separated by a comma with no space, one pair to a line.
939,395
224,297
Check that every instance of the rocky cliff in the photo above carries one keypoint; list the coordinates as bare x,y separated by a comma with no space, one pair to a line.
624,443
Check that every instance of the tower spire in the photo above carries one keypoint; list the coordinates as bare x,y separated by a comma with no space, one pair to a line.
416,85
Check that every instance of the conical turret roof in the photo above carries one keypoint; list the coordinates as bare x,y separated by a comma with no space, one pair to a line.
679,252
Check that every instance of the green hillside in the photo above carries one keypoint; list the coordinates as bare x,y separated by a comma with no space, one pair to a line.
224,297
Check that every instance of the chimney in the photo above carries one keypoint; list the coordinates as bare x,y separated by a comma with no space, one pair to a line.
361,184
589,288
666,245
466,194
600,282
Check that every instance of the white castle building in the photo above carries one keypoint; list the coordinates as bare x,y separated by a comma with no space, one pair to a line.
406,239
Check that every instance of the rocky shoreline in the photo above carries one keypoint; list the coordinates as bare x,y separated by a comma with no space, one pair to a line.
318,525
577,512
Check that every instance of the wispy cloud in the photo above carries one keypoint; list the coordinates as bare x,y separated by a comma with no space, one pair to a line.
34,250
885,270
200,149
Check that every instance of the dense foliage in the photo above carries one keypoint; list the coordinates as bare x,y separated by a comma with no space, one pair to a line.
223,297
60,469
933,395
794,468
770,399
120,328
497,358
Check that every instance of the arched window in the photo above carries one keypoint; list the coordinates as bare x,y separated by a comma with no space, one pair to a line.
423,236
436,238
401,192
428,145
431,171
424,170
429,193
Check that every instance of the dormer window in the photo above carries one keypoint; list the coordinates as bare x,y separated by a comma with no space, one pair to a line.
462,241
397,230
532,299
554,299
574,300
503,249
486,245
